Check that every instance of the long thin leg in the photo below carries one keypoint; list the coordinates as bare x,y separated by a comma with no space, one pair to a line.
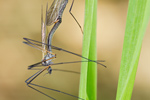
75,72
79,56
30,79
55,91
74,17
69,71
37,47
37,64
39,91
57,48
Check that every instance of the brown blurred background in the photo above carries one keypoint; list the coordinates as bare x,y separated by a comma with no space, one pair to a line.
21,18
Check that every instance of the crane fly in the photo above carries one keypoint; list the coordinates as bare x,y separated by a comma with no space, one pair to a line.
53,16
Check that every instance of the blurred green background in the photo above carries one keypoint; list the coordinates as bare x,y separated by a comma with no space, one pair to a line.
22,18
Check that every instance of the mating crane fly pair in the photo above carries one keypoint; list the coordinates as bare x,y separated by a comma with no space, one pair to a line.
53,16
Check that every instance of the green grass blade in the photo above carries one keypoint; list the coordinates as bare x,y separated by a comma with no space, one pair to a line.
137,20
88,78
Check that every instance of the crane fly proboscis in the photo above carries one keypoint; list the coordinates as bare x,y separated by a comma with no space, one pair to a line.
53,16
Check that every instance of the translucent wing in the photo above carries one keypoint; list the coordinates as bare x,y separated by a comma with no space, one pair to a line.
55,11
43,33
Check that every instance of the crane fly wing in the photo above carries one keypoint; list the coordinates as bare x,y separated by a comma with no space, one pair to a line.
43,33
54,11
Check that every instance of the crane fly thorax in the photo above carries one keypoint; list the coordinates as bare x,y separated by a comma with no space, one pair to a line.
47,59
